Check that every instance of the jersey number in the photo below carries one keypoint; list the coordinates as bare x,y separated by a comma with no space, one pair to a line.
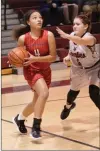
37,53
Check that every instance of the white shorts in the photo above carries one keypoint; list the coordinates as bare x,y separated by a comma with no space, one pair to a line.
81,77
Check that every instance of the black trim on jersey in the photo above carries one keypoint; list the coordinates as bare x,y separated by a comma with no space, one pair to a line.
83,34
80,37
94,42
92,66
86,45
89,45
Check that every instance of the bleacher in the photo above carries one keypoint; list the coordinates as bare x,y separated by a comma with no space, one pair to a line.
24,3
21,6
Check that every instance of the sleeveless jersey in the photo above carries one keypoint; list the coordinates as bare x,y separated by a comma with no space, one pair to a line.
83,56
37,48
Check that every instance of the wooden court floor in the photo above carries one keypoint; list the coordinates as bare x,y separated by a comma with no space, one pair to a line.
80,131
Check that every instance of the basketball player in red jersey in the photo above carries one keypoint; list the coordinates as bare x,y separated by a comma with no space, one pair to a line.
85,60
42,50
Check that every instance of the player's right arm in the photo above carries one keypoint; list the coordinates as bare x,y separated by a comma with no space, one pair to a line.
21,40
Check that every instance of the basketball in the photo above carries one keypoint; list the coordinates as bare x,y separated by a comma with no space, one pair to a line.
16,56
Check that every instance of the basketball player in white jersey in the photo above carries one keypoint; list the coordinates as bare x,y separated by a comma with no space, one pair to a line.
85,63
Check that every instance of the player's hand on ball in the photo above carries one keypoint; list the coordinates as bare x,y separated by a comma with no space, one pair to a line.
29,60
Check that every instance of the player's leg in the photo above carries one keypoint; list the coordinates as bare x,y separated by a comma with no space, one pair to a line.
98,12
94,92
29,109
75,11
66,14
71,96
78,79
94,87
19,120
43,92
46,13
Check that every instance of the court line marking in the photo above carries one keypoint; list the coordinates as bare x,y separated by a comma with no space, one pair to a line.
66,138
47,101
20,88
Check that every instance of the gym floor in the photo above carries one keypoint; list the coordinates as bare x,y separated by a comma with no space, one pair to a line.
80,131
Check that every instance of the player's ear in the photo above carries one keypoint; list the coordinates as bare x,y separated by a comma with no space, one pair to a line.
86,26
28,23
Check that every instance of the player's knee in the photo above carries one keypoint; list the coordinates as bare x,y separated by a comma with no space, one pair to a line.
71,96
95,94
44,95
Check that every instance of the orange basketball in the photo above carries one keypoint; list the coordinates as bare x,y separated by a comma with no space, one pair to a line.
16,56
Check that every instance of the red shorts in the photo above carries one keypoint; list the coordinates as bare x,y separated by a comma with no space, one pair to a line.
32,76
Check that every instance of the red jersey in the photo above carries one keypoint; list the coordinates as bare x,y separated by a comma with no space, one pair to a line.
39,47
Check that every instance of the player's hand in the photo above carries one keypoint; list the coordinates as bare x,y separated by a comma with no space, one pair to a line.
66,60
29,60
9,64
62,34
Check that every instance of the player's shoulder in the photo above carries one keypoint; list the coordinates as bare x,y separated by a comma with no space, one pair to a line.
91,37
88,34
22,37
49,32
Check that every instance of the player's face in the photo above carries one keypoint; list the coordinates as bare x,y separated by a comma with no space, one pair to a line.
35,20
78,27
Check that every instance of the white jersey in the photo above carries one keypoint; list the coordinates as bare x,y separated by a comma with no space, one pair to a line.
81,55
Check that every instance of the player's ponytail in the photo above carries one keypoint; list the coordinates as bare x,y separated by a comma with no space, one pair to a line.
88,15
20,30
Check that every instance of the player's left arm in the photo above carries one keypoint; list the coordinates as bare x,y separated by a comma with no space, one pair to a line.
52,46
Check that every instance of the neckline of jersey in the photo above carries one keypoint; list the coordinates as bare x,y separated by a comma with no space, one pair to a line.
38,37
